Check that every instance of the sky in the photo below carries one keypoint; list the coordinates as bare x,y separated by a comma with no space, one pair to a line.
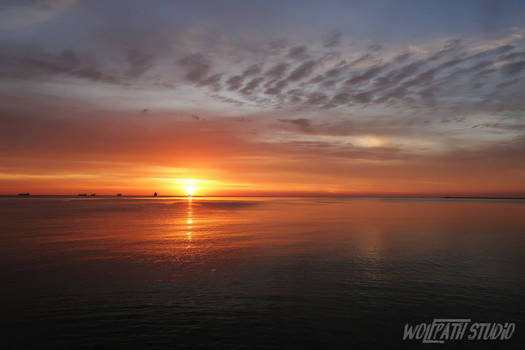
262,98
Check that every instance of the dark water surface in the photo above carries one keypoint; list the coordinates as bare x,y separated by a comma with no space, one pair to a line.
256,272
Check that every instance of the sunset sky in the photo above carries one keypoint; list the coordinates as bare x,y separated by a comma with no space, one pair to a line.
266,97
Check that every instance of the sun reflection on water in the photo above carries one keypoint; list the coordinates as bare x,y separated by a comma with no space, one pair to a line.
189,219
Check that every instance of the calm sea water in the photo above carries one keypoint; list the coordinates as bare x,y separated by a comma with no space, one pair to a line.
255,272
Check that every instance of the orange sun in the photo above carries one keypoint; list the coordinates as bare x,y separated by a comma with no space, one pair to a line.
189,186
190,190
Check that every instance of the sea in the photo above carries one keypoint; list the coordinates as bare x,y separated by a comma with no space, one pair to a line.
257,272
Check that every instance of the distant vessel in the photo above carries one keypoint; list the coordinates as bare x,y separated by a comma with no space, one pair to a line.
119,194
82,194
93,194
155,194
24,194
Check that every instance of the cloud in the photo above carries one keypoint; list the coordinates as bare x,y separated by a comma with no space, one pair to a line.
513,68
212,81
234,83
502,126
340,99
401,57
197,67
251,85
42,65
333,39
252,70
366,75
275,46
298,53
399,79
139,63
317,98
13,17
364,57
301,72
277,88
375,47
277,71
302,123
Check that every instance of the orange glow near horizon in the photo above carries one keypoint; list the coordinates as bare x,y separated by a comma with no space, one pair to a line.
232,183
275,175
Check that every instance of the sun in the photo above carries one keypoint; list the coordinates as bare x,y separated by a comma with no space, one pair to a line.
190,190
188,186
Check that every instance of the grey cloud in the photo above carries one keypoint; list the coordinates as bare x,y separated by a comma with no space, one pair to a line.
212,80
252,85
139,63
333,40
514,55
301,72
495,51
337,82
277,88
501,126
397,75
334,72
277,45
363,97
317,98
197,67
423,79
329,77
360,59
365,76
234,83
295,95
328,83
277,71
69,59
401,57
295,99
508,83
483,73
451,46
340,99
252,70
298,52
301,123
39,65
379,126
513,68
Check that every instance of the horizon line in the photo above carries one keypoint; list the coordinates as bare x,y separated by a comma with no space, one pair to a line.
364,195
